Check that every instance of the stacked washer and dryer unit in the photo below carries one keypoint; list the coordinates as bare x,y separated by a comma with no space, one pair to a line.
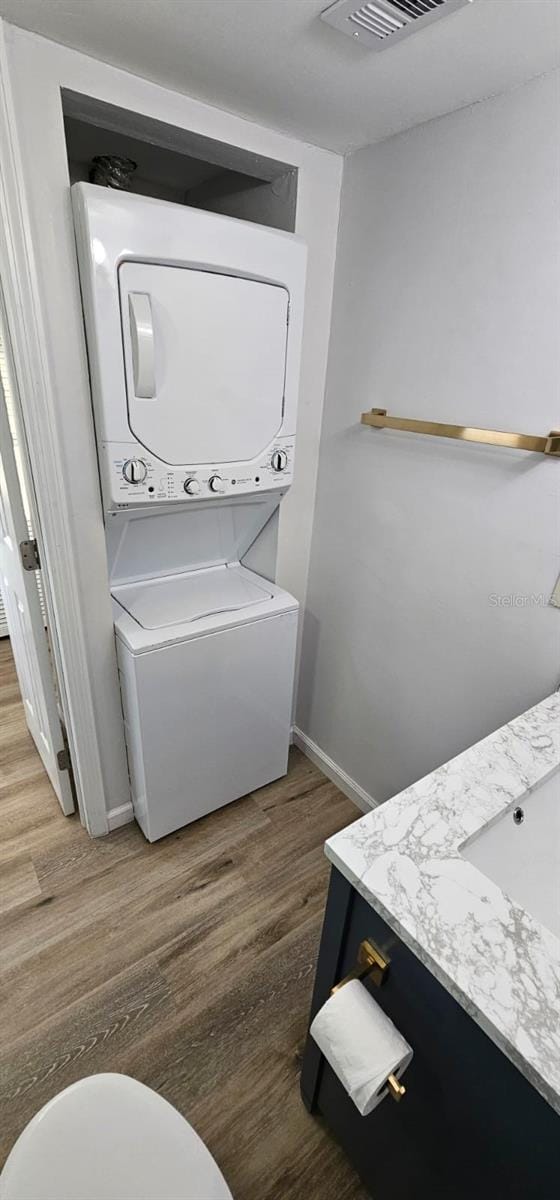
193,325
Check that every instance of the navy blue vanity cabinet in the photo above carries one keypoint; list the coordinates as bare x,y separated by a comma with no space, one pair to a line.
470,1124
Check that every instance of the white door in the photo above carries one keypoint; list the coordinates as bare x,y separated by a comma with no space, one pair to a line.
25,619
205,361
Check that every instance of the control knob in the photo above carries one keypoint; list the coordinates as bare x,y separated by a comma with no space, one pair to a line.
216,484
279,460
192,487
134,470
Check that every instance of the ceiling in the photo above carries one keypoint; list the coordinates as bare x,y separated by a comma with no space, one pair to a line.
275,62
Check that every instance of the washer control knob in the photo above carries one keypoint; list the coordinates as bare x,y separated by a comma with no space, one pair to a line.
279,460
216,484
192,487
134,470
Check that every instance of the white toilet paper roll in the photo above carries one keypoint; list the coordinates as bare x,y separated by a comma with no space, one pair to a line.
361,1044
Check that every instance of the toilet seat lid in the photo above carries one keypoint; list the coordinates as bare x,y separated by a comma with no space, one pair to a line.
108,1137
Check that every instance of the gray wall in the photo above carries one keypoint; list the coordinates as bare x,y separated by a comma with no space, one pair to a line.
447,307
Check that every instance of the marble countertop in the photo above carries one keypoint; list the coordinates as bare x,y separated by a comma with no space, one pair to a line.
404,857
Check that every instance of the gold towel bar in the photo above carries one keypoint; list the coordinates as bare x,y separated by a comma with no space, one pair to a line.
491,437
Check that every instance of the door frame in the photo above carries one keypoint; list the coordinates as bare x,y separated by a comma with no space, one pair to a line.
29,640
47,494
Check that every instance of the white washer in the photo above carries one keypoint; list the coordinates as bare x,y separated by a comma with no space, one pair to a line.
207,666
194,325
206,652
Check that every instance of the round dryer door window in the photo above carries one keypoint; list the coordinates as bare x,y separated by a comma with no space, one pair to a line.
205,358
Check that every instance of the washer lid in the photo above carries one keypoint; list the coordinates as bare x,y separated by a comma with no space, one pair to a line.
109,1136
174,599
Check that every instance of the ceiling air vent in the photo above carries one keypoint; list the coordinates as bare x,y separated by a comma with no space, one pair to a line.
382,23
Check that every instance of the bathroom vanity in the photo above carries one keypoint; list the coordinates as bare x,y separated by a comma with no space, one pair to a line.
473,981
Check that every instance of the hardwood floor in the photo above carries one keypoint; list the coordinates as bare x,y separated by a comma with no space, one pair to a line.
187,964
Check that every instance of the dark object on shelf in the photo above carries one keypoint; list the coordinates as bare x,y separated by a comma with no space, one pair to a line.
110,170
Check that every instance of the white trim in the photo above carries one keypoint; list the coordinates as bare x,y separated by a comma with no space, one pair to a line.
123,814
4,631
336,774
38,405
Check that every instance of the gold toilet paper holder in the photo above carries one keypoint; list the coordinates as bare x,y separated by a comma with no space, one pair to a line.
374,965
370,963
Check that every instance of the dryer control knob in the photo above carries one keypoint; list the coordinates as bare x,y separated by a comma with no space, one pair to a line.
192,487
279,460
134,470
216,484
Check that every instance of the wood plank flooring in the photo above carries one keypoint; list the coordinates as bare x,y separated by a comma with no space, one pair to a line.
187,964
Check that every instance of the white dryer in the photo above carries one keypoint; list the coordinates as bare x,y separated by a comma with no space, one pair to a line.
193,324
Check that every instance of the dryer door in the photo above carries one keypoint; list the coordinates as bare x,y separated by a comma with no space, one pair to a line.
205,362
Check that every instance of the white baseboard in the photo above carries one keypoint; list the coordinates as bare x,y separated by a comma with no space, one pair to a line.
124,813
343,781
121,815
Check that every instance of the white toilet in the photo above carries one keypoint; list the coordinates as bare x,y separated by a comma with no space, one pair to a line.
109,1137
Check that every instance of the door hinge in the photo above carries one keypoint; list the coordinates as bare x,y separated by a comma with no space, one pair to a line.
63,760
30,555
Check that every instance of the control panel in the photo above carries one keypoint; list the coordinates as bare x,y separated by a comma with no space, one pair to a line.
135,477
